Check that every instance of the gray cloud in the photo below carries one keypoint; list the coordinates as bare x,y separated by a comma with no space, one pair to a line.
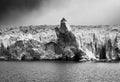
34,12
12,11
9,6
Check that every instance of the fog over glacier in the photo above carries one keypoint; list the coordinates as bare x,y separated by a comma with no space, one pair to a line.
80,12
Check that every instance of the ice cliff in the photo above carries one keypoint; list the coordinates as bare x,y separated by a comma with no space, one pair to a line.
61,42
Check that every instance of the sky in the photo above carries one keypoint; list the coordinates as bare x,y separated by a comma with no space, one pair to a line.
78,12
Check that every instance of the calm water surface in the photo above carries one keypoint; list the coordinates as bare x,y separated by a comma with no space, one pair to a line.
56,71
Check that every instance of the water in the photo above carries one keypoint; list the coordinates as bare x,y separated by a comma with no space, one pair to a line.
56,71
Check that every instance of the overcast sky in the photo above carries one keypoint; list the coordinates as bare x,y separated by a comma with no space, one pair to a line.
80,12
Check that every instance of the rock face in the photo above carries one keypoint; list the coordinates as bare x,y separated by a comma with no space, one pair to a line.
66,40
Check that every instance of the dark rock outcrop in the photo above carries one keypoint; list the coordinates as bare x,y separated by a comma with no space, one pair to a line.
67,42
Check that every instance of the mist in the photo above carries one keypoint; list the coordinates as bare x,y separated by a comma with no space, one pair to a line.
77,12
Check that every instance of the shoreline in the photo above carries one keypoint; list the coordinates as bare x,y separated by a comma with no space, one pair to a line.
58,60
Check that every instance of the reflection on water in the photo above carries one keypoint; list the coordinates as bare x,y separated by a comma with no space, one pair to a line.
56,71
